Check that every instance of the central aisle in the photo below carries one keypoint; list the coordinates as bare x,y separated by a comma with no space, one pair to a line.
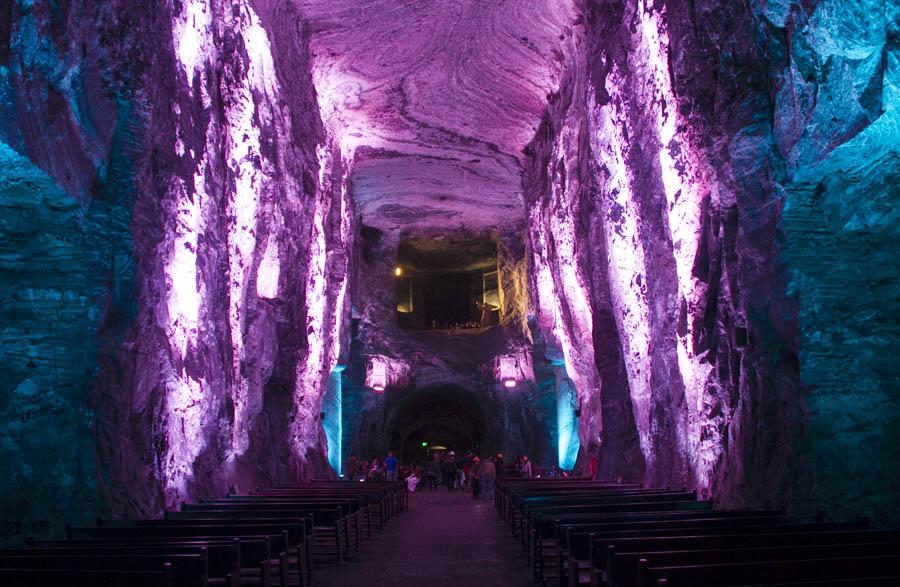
444,538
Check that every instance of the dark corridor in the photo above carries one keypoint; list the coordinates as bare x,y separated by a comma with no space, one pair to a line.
446,416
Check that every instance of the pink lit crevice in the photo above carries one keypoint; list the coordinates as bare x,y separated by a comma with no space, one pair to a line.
184,394
269,271
626,265
685,179
345,236
326,302
311,372
559,283
247,110
185,290
247,91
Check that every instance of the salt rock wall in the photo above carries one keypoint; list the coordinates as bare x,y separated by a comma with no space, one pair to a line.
67,146
216,322
835,73
655,233
241,234
726,175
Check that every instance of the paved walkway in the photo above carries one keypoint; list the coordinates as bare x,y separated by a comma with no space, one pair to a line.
443,539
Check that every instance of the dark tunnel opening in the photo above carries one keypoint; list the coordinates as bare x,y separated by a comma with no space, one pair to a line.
448,416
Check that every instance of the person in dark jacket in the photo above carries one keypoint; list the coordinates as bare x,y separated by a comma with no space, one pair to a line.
450,471
433,472
487,474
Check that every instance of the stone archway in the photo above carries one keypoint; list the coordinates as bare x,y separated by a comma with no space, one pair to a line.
446,415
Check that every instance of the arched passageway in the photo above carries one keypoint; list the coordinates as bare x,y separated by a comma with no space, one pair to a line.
444,415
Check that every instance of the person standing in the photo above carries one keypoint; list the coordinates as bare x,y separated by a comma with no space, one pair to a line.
526,467
593,462
450,471
390,466
411,482
475,473
433,471
499,464
487,472
351,467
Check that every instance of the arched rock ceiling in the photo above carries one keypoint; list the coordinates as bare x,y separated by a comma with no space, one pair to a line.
438,98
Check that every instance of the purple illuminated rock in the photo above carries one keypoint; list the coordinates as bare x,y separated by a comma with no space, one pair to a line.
694,206
443,96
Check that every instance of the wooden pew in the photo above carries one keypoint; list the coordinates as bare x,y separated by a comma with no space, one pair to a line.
225,556
331,528
766,572
573,561
613,560
189,570
629,564
41,577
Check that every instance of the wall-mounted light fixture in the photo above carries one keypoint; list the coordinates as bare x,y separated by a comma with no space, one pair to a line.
509,371
398,271
377,376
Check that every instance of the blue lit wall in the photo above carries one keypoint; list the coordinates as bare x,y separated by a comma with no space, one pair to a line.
331,405
566,420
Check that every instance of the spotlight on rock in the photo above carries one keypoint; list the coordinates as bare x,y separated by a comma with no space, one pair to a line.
508,370
377,376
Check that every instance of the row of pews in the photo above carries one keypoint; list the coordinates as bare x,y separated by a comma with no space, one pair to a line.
267,538
582,532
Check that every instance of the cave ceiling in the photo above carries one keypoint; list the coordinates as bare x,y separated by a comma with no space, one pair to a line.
437,99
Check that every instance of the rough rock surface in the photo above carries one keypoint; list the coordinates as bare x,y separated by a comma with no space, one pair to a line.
66,143
705,163
836,73
440,98
240,230
694,205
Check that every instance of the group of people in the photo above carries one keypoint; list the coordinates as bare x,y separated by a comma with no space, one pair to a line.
467,473
481,309
373,470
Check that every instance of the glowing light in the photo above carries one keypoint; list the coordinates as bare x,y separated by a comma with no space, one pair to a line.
192,35
683,175
424,444
398,271
252,173
568,442
269,271
184,295
508,369
333,421
626,264
376,378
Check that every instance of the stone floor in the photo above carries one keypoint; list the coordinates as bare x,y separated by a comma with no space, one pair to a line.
443,539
